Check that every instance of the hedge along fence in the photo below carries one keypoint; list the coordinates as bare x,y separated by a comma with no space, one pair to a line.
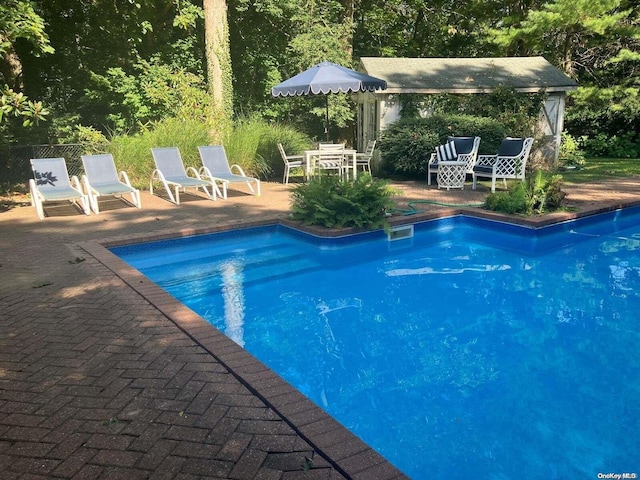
406,146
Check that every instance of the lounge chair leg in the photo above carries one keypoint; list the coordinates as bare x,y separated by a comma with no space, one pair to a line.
35,200
135,198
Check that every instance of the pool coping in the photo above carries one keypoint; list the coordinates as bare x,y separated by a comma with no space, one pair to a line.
347,453
352,457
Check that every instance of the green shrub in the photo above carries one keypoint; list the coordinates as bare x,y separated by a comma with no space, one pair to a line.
406,146
253,144
570,154
514,200
626,145
243,143
537,195
329,202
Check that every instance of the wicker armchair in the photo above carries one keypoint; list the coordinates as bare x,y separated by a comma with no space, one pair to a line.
509,163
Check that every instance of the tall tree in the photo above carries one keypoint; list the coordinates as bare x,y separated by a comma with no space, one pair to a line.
19,23
568,32
218,55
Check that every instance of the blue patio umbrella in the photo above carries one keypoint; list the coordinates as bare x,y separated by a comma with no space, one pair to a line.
325,78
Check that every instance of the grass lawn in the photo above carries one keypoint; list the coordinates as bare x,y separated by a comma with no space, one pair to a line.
602,168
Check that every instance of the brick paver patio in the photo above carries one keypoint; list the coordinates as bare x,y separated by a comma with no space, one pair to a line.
105,376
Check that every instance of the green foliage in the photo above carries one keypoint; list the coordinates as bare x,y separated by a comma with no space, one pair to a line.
17,105
545,192
514,200
266,149
132,153
567,31
539,194
251,143
287,38
518,112
245,144
570,154
154,91
596,41
329,202
606,120
407,145
626,145
19,20
94,39
415,28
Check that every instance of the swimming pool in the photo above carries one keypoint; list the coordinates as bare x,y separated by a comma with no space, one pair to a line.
473,349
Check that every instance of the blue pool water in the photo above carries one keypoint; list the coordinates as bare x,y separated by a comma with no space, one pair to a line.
473,350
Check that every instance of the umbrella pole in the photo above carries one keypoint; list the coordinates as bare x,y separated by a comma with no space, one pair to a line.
326,120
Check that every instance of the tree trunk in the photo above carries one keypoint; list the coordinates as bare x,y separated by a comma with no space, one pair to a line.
11,69
218,57
349,21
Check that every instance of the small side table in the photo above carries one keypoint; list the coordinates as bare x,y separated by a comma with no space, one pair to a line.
451,174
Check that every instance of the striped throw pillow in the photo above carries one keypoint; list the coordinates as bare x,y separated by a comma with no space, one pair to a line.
446,152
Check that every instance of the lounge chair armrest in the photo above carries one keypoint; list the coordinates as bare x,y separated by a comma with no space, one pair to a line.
125,178
86,187
193,171
75,183
239,168
157,175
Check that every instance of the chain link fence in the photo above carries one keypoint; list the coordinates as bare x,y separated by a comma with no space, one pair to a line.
15,168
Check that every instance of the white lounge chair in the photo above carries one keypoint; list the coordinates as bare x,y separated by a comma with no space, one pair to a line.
51,183
291,161
509,163
464,149
215,167
101,179
170,172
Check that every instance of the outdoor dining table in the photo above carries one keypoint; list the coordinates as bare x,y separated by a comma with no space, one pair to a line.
310,155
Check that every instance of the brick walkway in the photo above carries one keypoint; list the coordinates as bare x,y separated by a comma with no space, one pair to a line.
105,376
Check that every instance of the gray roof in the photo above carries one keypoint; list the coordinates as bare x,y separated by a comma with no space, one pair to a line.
466,75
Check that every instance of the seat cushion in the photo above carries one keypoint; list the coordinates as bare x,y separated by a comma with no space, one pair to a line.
446,152
463,145
487,169
510,147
